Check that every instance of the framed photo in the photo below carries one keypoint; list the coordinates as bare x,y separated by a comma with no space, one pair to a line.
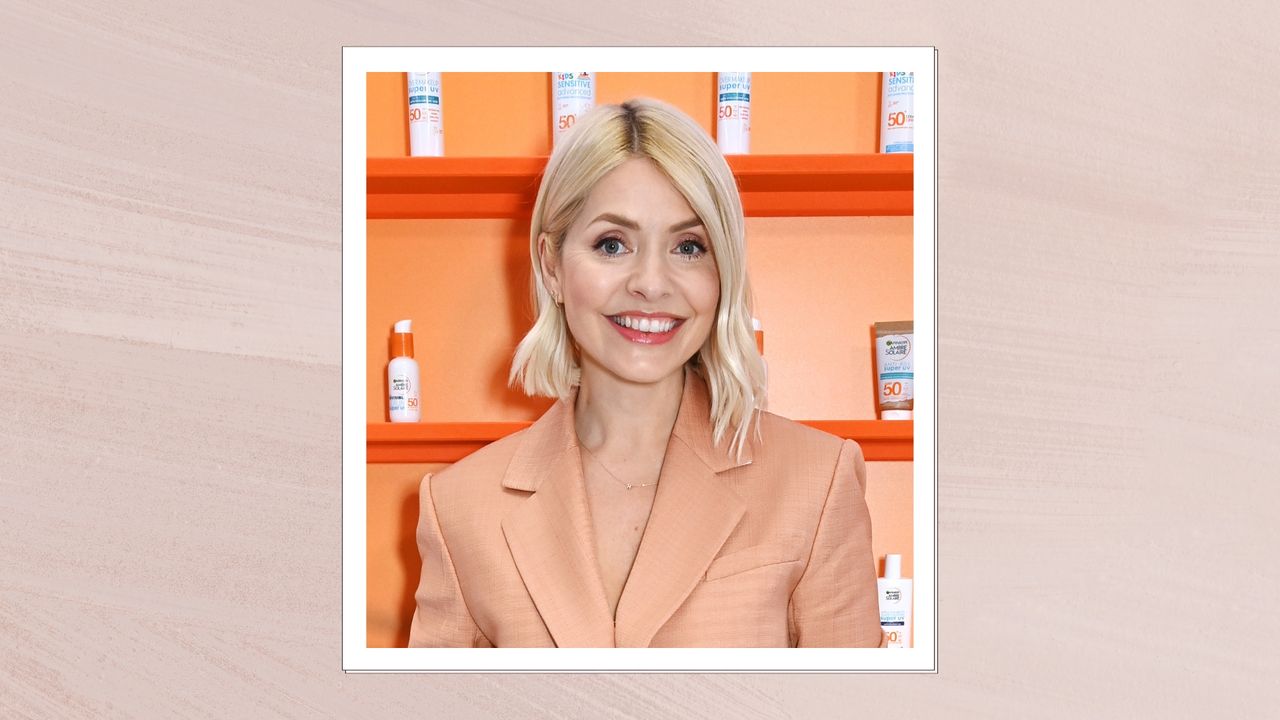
833,158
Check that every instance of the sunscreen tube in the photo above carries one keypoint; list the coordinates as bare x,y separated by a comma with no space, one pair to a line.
897,114
426,123
733,112
894,370
402,376
894,593
572,95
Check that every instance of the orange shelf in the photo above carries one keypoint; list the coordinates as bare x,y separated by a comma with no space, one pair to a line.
450,442
770,186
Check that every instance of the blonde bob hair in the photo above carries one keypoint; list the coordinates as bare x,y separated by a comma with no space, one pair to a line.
603,139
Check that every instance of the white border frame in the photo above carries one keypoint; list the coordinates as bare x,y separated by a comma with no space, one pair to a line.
356,657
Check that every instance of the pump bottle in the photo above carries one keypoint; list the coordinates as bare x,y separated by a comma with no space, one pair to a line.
402,376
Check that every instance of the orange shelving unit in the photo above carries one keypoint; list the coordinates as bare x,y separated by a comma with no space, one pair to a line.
505,187
770,186
450,442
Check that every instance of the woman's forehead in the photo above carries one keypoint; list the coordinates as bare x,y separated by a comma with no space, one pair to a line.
635,193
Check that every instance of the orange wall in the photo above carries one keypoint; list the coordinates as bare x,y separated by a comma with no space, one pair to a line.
819,284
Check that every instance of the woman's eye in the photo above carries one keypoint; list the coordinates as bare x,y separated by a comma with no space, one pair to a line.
691,248
610,246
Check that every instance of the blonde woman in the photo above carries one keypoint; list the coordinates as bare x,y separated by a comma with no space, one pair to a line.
654,505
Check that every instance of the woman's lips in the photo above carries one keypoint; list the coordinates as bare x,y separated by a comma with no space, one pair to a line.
646,338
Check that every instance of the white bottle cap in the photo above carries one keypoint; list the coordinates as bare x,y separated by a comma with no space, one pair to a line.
892,567
895,414
403,326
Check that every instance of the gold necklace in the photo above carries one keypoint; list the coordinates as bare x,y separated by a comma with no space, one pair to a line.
625,484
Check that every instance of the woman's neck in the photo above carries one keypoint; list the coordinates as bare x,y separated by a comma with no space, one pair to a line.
617,417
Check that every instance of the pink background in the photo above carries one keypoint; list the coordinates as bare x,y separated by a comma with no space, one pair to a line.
170,353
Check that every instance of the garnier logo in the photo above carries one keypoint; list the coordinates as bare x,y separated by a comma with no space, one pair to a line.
893,595
897,347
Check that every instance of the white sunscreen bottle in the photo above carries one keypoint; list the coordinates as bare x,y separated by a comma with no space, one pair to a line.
402,376
573,94
426,121
897,114
733,112
894,592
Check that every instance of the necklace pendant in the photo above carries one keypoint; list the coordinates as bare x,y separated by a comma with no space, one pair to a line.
628,486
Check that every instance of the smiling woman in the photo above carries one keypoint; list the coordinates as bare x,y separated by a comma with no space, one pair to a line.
653,283
655,504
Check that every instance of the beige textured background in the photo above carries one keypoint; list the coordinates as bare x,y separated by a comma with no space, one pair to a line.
169,361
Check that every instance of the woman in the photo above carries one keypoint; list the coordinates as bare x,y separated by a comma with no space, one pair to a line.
653,505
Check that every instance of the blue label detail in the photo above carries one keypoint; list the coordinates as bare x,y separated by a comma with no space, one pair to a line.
897,376
900,147
730,97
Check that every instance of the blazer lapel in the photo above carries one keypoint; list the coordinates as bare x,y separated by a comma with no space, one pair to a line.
550,534
693,513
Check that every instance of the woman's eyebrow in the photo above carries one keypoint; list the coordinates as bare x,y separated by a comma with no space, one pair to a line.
632,224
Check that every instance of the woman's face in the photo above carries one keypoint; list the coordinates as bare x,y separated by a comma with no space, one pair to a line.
636,275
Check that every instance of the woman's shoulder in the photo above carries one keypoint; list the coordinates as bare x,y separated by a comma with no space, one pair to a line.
479,473
793,471
784,436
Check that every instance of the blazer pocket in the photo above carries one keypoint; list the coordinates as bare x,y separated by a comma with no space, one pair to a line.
752,558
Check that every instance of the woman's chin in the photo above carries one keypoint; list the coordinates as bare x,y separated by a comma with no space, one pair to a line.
641,373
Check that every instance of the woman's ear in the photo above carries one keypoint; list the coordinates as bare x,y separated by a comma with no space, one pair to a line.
547,259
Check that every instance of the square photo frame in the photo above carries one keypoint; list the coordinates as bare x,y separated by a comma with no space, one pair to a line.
816,175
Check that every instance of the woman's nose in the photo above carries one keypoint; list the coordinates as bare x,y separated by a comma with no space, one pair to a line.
650,276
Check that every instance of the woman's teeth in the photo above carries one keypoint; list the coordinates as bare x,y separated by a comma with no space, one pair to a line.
644,324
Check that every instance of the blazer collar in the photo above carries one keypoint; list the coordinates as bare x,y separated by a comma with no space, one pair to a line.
551,538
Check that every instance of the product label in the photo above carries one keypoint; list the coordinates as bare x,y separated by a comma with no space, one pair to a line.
894,601
733,112
894,623
893,352
735,84
424,88
734,96
897,128
401,388
573,95
424,99
574,85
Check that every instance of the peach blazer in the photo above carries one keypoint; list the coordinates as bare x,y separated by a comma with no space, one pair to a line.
772,551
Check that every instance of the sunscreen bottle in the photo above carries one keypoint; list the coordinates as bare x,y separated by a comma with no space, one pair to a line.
897,115
573,94
733,112
402,376
894,592
895,373
426,123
